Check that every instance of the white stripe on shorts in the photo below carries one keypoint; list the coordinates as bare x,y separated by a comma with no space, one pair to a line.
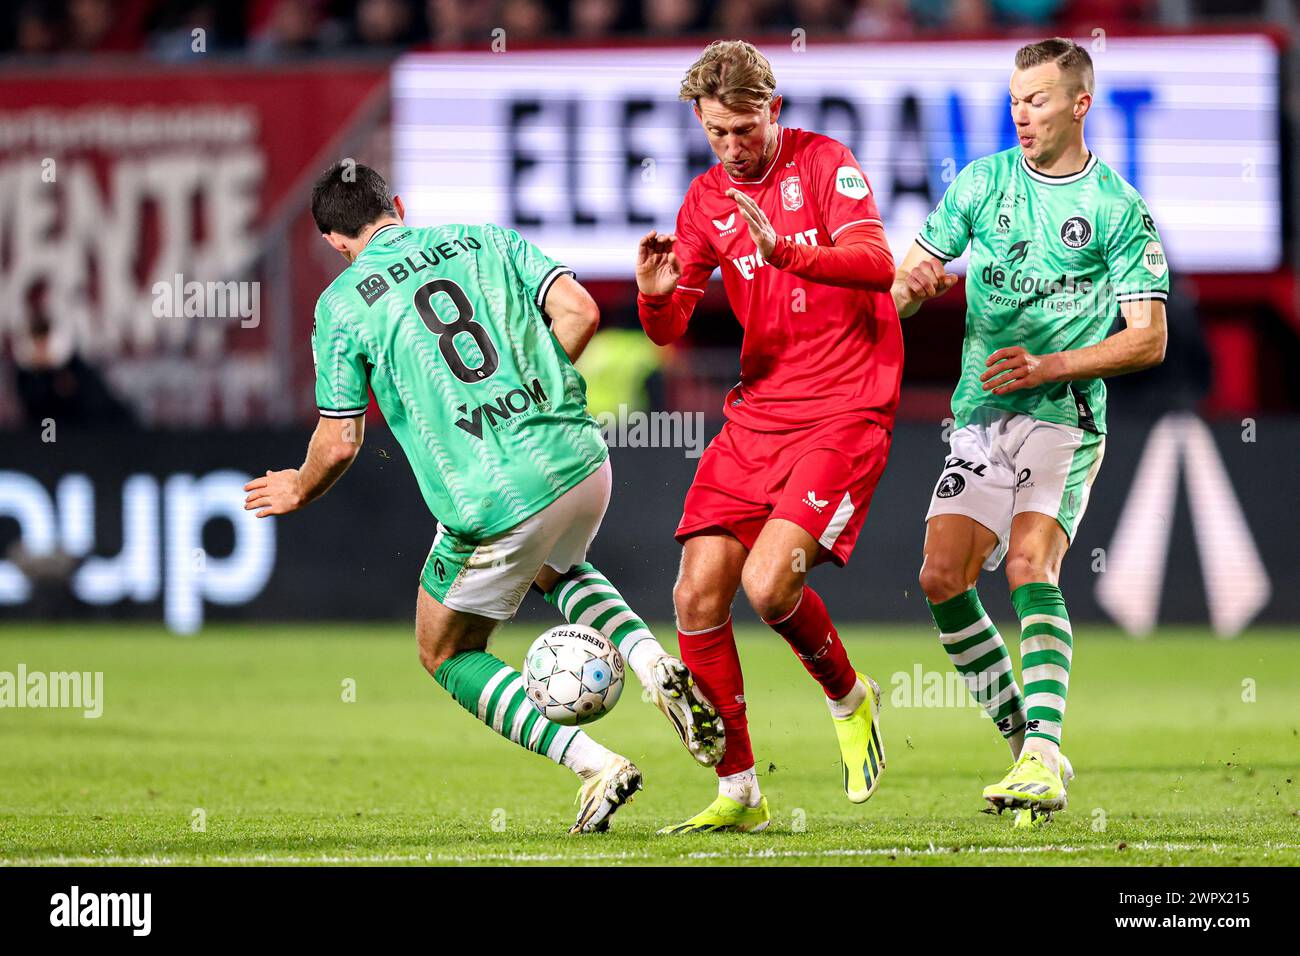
838,522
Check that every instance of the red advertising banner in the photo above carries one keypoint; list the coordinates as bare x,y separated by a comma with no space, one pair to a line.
147,224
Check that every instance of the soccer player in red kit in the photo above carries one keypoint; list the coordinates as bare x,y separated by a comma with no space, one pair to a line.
788,217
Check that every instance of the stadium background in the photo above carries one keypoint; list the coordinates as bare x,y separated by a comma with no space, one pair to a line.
146,145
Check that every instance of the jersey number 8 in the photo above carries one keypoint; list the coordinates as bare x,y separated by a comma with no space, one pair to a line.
447,331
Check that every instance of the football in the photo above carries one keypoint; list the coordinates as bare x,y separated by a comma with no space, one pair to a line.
574,675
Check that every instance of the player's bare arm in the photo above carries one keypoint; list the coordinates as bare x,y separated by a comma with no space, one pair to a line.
657,266
333,447
573,313
920,277
1139,345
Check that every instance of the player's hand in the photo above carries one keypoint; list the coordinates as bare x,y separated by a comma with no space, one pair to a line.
926,281
275,493
1011,369
760,228
657,266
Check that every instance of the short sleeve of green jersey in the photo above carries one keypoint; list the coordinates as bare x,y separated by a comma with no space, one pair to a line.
536,269
342,378
947,230
1135,259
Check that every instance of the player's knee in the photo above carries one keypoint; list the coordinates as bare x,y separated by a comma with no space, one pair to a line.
772,594
433,654
699,604
1024,567
942,580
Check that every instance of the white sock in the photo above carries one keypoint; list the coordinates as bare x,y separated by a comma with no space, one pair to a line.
584,756
741,787
642,659
843,708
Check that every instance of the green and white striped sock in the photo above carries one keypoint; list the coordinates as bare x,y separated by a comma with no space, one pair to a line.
585,596
493,692
982,659
1046,648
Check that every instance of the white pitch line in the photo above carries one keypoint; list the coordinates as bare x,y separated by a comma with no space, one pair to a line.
753,854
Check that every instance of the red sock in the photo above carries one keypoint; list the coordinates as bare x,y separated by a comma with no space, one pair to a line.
711,655
809,632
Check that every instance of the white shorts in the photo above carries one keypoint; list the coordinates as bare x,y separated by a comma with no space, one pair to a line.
491,577
1005,463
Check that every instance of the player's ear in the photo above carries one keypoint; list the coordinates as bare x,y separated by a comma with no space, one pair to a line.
775,107
336,242
400,207
1082,103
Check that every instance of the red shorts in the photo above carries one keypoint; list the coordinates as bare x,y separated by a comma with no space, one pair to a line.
821,478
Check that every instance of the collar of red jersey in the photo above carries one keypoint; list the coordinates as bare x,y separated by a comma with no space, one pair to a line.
776,157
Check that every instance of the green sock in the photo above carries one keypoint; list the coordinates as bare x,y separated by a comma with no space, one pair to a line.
1046,647
493,692
585,596
981,657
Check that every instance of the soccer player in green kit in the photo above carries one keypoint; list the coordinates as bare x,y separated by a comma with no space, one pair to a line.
1058,242
467,335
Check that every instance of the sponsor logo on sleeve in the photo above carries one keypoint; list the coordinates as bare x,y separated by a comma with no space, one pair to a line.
850,182
1153,259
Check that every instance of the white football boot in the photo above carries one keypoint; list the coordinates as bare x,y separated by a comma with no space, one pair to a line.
604,792
696,720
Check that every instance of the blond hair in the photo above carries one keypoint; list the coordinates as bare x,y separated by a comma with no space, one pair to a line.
1066,54
732,72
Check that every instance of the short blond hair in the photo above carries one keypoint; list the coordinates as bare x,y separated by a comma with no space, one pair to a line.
732,72
1069,57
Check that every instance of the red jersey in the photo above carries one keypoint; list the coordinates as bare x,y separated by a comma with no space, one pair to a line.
811,351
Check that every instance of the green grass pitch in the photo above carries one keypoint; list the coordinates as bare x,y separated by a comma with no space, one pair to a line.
245,729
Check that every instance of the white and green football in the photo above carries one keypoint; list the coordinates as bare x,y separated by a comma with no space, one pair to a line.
573,674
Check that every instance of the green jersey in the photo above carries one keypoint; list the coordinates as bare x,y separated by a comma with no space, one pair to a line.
1052,259
446,326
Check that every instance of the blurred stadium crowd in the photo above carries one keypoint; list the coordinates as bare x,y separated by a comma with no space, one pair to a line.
281,29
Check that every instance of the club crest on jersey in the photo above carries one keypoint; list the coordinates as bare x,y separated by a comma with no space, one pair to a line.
726,226
1075,232
950,486
791,194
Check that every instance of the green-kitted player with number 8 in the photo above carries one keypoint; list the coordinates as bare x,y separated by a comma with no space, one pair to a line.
467,337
